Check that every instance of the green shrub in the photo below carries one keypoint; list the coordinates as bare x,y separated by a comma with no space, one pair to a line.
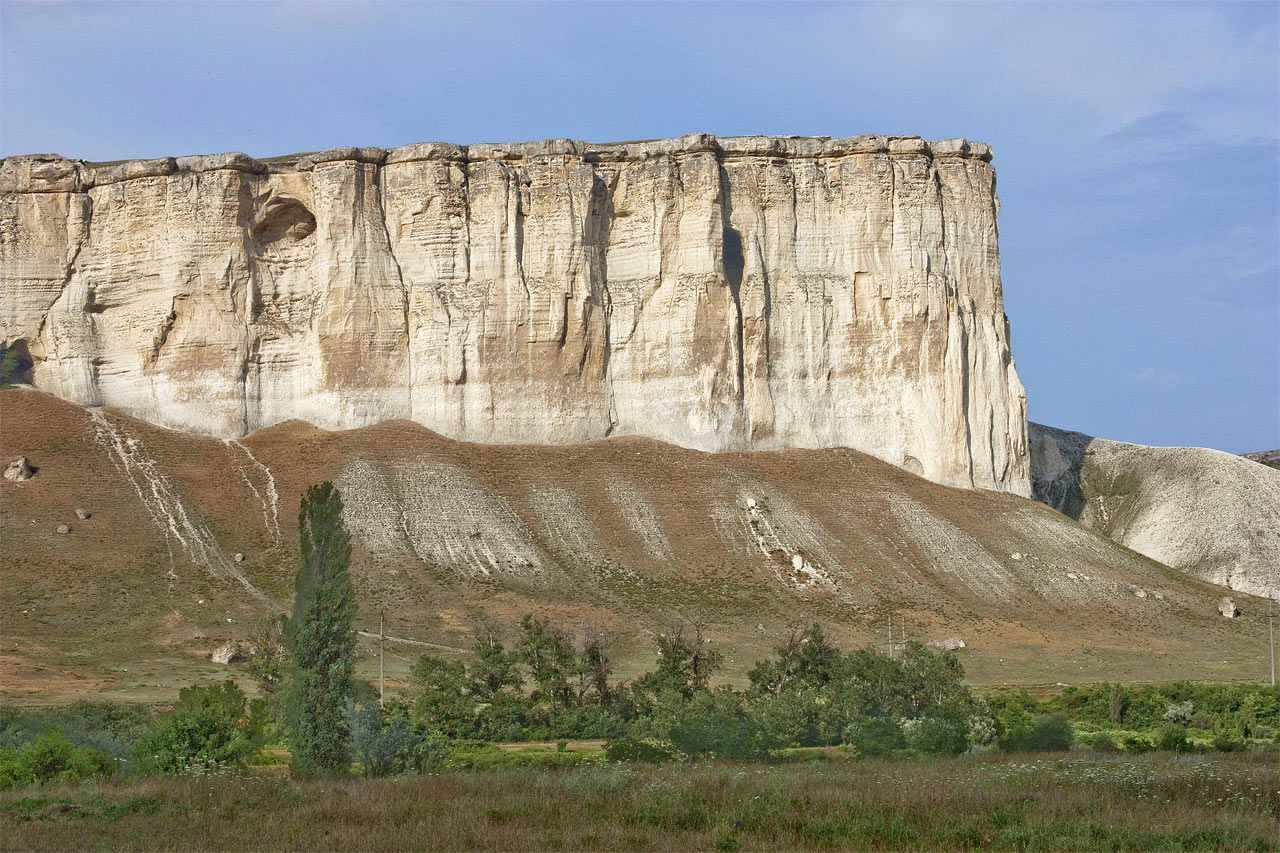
51,758
110,727
1104,742
875,736
1223,744
1046,733
388,743
941,732
210,726
629,748
1172,738
15,364
1134,743
714,723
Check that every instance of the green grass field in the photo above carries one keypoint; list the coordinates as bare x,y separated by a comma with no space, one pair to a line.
1054,802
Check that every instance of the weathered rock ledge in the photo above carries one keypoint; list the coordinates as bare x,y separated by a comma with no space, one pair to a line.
33,173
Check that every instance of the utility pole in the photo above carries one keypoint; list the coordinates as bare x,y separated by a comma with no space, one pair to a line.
382,680
890,636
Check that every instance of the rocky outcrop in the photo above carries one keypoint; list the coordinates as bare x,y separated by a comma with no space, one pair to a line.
19,469
1270,458
742,293
1213,514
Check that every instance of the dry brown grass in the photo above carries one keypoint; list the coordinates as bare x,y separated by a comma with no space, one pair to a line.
1053,803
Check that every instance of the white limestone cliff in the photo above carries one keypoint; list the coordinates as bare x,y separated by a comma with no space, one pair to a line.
749,292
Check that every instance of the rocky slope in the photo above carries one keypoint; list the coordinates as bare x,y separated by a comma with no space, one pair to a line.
626,533
1209,513
719,294
1270,458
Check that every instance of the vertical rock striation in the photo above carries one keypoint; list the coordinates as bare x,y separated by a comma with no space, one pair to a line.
749,292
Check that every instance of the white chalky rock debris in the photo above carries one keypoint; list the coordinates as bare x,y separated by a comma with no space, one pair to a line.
19,469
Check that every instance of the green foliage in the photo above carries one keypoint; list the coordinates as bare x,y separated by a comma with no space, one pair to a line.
807,659
1117,701
1172,738
1232,710
1136,744
1045,733
51,758
494,675
686,661
715,723
594,669
812,695
441,698
943,730
875,736
1103,742
15,364
549,654
268,656
110,727
790,719
629,748
386,742
320,638
209,726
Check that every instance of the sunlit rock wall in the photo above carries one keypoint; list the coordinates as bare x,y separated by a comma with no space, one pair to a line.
749,292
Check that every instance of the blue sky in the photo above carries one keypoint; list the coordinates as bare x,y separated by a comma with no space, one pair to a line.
1136,143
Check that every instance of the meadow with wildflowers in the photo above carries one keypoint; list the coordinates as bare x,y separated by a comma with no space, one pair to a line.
815,800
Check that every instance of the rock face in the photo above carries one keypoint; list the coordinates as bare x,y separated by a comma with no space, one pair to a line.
1210,513
738,293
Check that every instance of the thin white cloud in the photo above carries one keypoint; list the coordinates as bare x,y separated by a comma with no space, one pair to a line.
1156,377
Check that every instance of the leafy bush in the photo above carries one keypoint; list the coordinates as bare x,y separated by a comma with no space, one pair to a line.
1134,743
51,758
1047,733
1223,744
110,727
714,723
15,364
1104,742
875,736
629,748
1172,738
210,726
943,731
385,743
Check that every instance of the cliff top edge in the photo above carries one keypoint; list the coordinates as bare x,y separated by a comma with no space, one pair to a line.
55,173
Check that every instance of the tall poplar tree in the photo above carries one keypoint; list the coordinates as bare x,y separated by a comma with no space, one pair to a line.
320,637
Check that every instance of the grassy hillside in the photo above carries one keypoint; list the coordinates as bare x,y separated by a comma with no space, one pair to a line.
622,533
